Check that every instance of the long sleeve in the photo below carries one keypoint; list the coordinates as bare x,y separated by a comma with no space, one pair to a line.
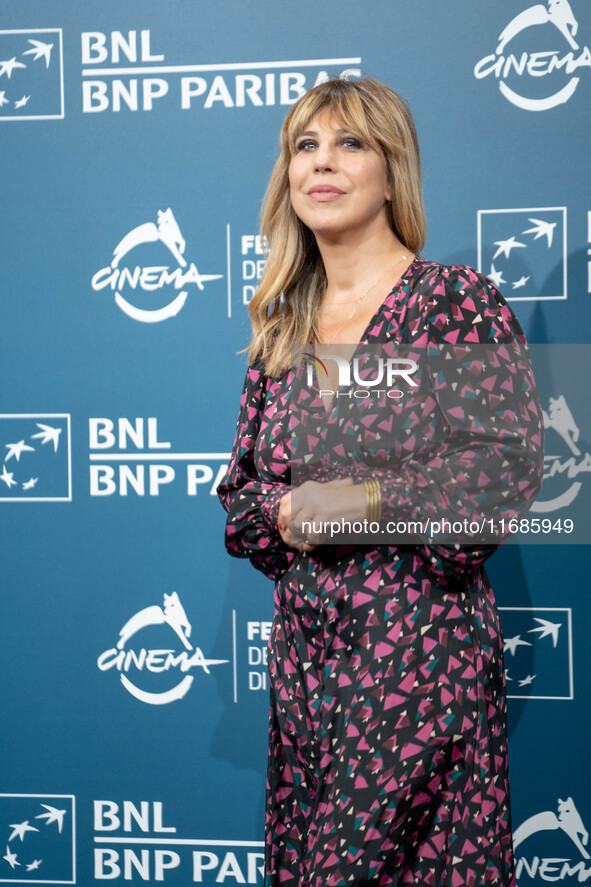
249,492
486,462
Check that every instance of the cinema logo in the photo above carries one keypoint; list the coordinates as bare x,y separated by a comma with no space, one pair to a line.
122,70
170,283
134,663
532,867
565,469
127,457
533,67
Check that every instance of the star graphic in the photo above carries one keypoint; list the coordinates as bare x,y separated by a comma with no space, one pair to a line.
22,102
547,628
7,477
20,829
542,229
527,681
30,483
39,50
521,282
505,247
511,644
496,276
34,865
53,815
48,433
8,67
3,99
16,449
10,858
507,678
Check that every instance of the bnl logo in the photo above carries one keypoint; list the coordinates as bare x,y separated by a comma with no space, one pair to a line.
524,251
31,75
538,652
38,835
35,457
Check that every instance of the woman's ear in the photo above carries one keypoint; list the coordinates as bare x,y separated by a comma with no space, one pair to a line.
388,192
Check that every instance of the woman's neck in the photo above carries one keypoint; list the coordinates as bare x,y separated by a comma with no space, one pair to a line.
353,268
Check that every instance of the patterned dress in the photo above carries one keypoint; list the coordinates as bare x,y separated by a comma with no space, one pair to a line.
388,748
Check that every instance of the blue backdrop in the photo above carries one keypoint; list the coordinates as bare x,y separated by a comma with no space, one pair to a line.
137,140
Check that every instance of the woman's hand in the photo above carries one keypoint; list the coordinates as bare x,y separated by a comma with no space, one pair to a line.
315,505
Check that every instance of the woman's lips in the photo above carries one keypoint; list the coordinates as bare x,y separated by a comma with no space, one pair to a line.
324,193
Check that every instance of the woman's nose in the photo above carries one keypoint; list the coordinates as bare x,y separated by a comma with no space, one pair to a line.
324,158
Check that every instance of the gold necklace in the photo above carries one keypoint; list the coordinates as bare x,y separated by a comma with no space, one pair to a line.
364,295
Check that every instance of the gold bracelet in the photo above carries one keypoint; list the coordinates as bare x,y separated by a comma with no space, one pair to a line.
373,500
378,507
369,493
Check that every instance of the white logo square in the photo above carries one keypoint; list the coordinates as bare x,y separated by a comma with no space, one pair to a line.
538,652
31,74
524,251
39,839
35,457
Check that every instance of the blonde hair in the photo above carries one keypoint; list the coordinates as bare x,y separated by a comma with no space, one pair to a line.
284,307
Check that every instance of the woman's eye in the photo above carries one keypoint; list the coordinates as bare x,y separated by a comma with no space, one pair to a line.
305,145
351,142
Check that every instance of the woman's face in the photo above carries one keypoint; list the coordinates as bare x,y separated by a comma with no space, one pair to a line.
337,183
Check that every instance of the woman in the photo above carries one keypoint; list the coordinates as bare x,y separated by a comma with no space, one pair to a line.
388,755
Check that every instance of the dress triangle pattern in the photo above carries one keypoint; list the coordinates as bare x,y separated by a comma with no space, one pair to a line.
387,746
